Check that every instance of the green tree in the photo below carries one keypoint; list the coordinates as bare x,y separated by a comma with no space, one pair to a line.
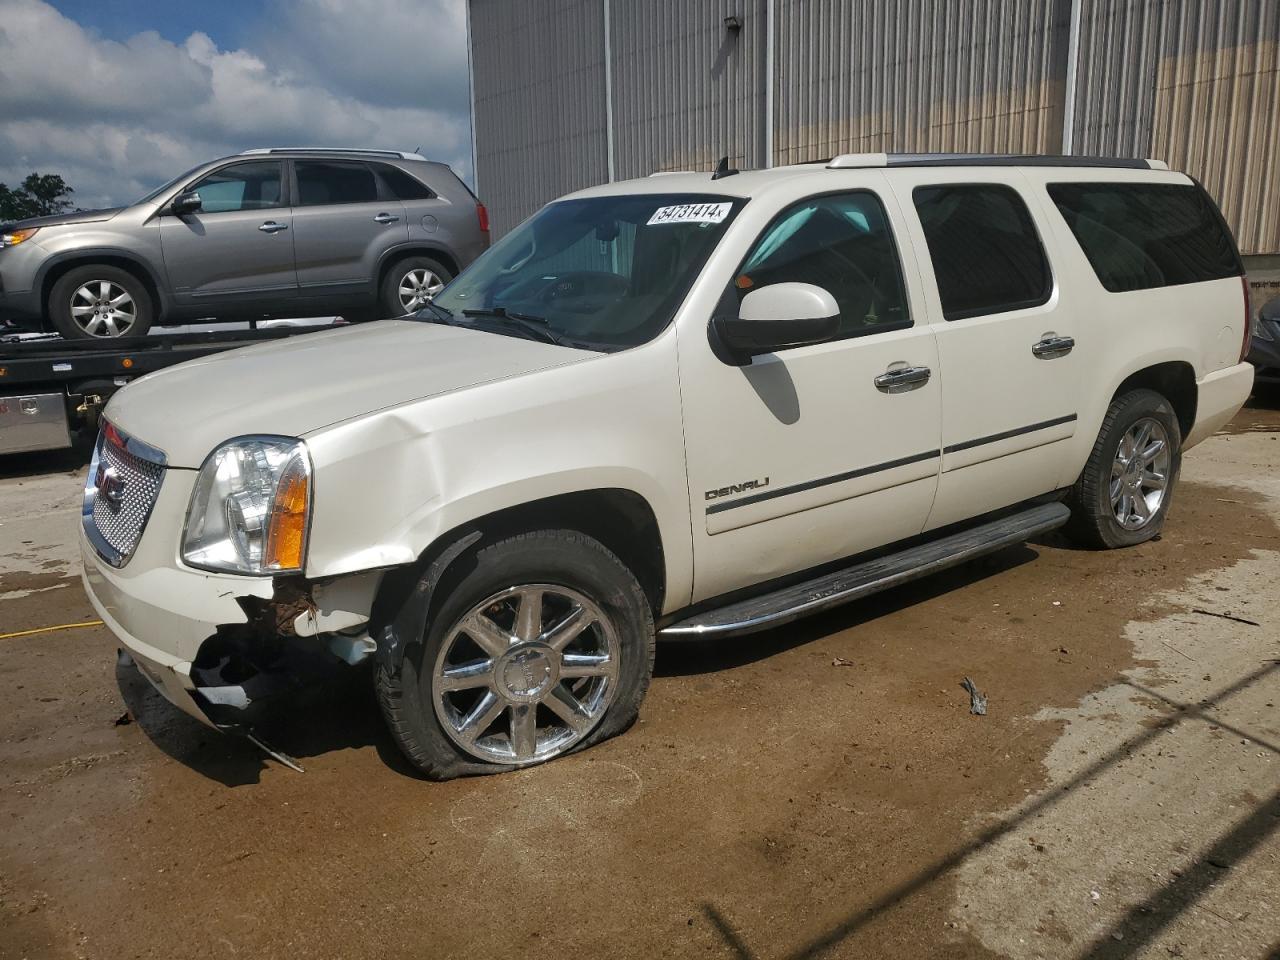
40,195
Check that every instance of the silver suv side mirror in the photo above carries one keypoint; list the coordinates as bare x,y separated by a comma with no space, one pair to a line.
778,317
184,203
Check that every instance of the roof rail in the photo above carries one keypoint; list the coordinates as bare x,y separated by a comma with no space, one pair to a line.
363,151
854,160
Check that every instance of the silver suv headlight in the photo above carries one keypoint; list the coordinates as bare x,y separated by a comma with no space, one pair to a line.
251,508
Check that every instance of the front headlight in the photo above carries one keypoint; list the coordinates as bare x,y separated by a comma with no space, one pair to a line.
15,237
251,508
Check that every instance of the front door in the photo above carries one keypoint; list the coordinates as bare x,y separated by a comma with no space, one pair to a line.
1005,339
342,227
238,247
812,454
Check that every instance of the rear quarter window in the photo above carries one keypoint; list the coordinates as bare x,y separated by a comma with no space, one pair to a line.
1137,236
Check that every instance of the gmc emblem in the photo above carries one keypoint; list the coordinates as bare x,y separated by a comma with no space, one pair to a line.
110,485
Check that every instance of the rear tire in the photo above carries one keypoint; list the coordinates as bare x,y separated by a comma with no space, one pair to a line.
408,284
1124,491
100,302
515,673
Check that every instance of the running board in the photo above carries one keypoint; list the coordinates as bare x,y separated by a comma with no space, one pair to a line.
832,589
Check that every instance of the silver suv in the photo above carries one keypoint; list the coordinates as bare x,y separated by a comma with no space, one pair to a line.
269,232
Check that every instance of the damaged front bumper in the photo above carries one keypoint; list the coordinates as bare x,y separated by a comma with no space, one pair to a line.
222,647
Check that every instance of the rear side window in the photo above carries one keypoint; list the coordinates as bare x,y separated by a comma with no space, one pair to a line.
842,243
334,181
1143,235
403,185
986,253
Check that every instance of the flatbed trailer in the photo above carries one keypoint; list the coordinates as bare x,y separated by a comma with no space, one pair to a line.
52,390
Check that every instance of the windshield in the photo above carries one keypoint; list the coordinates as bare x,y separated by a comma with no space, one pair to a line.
166,186
606,273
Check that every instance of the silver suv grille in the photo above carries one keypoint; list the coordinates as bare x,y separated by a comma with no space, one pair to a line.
122,487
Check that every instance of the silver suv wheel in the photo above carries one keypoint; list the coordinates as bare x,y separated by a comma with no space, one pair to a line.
1140,473
417,287
102,308
526,674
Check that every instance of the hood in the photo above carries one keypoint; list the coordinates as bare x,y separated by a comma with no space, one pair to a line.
58,219
297,385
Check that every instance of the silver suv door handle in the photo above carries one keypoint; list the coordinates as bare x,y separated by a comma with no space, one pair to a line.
1052,347
902,379
272,227
385,218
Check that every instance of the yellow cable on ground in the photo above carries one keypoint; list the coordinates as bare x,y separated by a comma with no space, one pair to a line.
61,626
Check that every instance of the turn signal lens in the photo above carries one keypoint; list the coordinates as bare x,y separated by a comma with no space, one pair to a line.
18,236
287,534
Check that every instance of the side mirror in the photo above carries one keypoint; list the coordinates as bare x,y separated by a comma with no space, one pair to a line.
185,203
777,317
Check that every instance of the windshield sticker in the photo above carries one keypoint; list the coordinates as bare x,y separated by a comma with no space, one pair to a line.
691,213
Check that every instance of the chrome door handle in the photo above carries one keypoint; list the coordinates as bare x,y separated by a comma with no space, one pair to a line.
385,218
1052,347
272,227
902,379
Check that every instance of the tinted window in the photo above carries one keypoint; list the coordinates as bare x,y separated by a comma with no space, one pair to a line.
986,253
1139,236
841,243
334,181
242,186
403,185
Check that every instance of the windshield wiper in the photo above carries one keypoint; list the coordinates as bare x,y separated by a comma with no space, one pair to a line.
442,315
535,327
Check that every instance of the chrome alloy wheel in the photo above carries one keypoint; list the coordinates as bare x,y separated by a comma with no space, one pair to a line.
102,308
1140,473
417,287
526,674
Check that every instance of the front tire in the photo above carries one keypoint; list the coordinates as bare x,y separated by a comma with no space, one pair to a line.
100,302
410,284
536,646
1124,491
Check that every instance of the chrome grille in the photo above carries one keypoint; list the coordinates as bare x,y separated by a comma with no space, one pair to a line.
122,487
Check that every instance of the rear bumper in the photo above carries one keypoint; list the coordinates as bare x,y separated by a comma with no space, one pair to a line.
1219,397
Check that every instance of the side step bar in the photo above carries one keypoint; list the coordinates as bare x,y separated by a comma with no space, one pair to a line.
832,589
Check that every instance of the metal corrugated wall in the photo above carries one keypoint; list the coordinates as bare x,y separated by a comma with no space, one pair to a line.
1196,84
686,89
915,75
538,69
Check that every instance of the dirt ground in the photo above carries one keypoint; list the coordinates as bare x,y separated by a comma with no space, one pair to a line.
819,790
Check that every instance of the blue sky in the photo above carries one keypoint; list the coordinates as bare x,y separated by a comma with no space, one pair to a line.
174,20
118,96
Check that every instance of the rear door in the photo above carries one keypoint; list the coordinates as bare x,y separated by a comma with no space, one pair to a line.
238,248
1006,337
344,221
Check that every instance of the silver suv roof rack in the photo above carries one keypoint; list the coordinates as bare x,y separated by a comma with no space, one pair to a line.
847,161
362,151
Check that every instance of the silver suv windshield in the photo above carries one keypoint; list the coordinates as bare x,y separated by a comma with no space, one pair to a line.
603,273
154,194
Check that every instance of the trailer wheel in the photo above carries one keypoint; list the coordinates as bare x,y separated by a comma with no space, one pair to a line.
100,302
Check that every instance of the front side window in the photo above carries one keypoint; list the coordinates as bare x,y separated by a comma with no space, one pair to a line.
604,272
1142,235
986,253
842,243
334,181
241,186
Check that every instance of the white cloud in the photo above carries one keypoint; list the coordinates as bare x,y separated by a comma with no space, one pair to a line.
117,118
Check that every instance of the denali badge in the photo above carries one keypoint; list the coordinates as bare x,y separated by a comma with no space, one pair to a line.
737,488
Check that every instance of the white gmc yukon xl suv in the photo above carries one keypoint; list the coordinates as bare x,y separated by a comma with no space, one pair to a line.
685,406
